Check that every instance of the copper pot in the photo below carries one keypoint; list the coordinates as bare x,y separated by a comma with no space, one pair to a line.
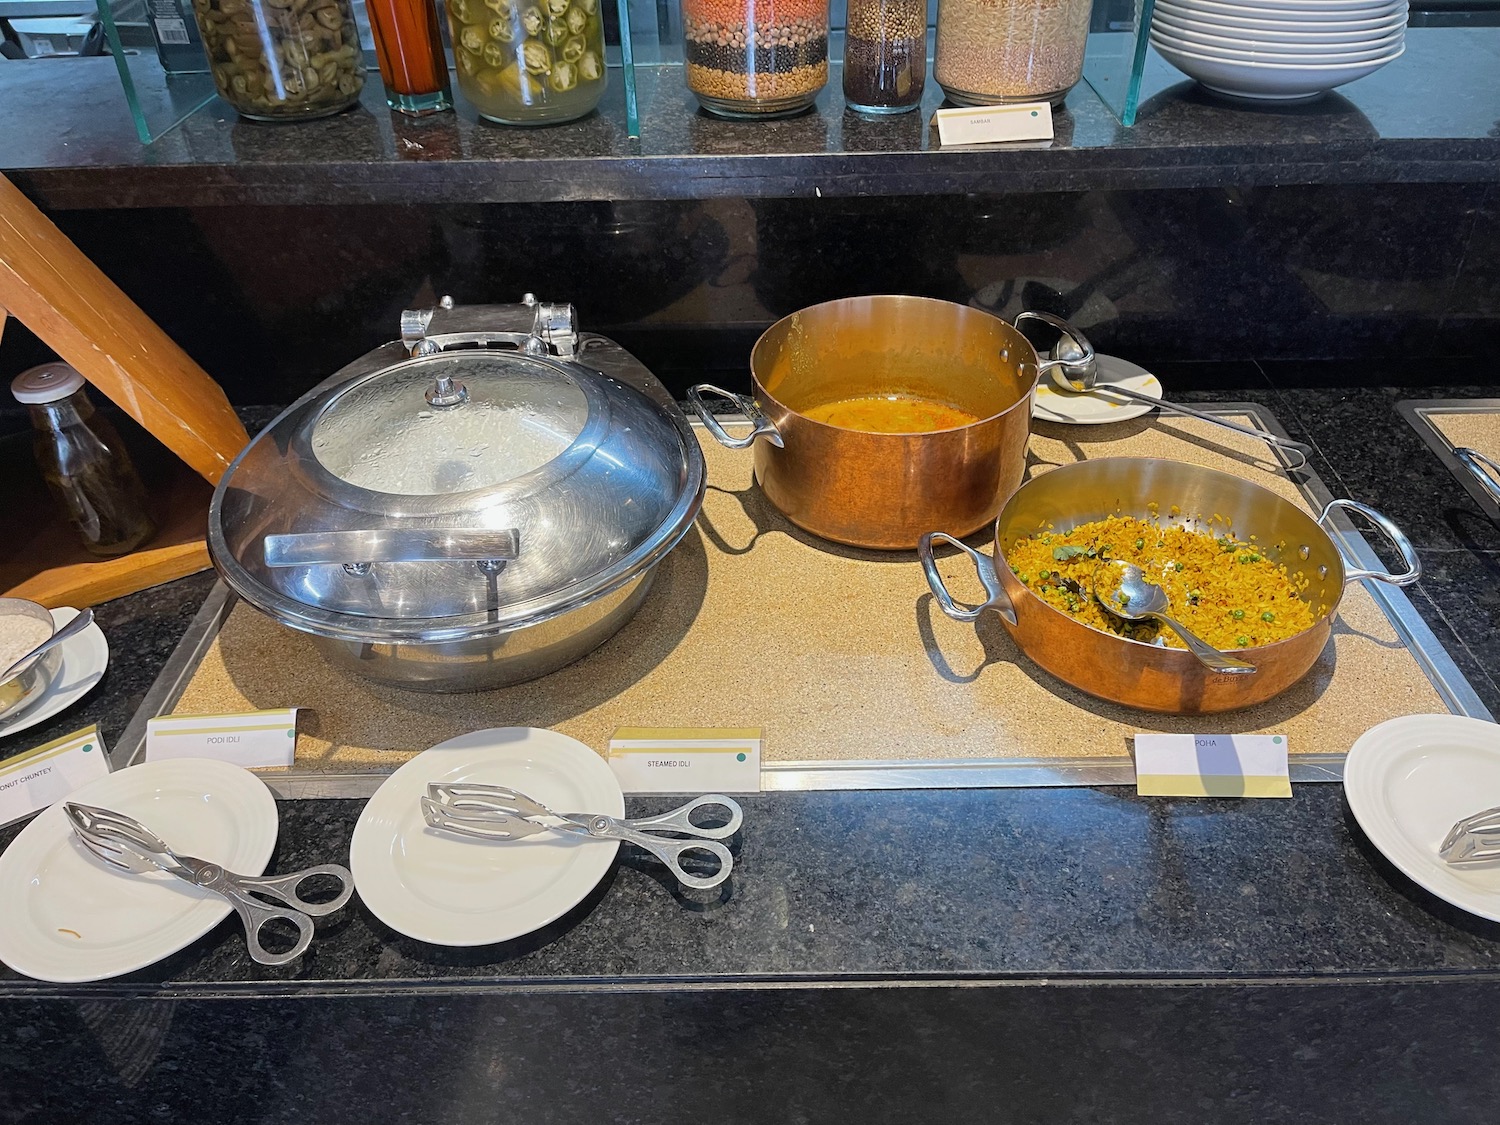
1132,672
884,490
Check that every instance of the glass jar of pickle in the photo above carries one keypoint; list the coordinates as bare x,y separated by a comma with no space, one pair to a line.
279,60
529,62
755,58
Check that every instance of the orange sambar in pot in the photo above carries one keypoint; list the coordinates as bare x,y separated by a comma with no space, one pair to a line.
876,416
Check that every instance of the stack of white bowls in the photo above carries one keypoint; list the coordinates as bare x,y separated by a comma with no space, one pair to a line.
1278,50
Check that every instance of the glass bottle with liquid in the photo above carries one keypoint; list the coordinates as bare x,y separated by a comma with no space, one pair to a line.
84,462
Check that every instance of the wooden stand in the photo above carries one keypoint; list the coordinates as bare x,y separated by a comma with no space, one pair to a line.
51,286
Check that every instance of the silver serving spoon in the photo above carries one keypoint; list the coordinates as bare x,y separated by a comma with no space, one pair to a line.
84,619
1074,371
1124,590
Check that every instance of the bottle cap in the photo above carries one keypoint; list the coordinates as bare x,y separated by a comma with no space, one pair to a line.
47,383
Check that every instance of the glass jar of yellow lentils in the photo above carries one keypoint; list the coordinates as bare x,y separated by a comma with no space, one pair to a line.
529,62
279,60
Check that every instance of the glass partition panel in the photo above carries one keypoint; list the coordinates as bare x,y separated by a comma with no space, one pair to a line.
1116,55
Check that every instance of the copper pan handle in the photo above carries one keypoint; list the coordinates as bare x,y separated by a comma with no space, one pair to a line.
764,427
983,564
1391,532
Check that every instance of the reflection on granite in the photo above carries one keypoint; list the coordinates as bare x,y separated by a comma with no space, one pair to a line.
1147,1053
271,299
1476,290
1429,116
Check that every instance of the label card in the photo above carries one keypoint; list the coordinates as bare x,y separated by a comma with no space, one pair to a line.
256,740
686,760
994,124
1211,765
31,781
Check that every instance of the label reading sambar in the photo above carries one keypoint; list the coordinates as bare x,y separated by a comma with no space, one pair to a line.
1211,765
686,759
994,124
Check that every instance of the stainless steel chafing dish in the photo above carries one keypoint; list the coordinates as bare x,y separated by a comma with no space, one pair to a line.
477,504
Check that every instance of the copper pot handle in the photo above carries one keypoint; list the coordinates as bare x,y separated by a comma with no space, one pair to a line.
1391,532
764,427
988,578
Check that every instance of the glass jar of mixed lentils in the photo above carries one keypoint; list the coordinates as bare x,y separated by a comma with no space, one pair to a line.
755,58
885,55
990,52
280,60
529,62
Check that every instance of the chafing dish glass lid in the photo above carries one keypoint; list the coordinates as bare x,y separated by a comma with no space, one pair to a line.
508,416
455,488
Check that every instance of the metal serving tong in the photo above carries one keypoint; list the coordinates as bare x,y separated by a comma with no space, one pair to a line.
495,812
1474,841
129,845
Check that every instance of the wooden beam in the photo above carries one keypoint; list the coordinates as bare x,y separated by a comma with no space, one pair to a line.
55,290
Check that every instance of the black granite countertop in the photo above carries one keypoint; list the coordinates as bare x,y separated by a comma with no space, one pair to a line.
1431,116
1008,884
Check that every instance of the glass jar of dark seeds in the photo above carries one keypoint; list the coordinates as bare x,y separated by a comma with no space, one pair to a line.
885,55
755,58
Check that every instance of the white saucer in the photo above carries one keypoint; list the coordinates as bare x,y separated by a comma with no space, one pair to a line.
1409,780
448,890
1098,406
77,665
69,918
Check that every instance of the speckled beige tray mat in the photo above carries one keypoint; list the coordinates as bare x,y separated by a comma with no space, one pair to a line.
1479,430
837,654
1446,424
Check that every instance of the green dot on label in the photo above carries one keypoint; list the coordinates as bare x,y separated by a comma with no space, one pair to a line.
739,757
87,746
292,733
1276,739
1033,113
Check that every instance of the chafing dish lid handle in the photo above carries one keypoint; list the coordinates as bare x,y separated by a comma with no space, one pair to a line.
392,545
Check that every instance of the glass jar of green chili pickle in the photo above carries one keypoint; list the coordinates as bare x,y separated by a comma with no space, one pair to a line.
529,62
280,60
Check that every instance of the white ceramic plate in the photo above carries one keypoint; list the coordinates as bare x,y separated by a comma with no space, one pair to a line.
78,666
1161,38
1268,81
1276,33
1373,42
1100,406
448,890
69,918
1291,11
1409,780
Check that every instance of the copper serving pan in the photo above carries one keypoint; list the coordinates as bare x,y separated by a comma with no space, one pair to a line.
1132,672
884,490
